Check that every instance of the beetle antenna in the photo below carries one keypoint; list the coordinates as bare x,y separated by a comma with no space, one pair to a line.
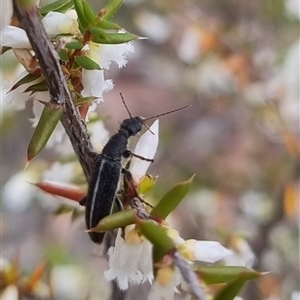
123,100
167,113
148,128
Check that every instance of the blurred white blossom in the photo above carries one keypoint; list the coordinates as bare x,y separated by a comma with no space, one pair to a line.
10,293
60,172
154,26
214,78
189,49
242,254
164,286
76,285
292,8
18,192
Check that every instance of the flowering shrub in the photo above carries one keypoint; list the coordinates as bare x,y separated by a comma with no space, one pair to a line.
146,248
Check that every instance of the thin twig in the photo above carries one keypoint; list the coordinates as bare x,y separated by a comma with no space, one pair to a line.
59,93
189,276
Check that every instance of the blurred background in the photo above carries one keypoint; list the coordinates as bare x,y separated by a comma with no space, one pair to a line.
237,64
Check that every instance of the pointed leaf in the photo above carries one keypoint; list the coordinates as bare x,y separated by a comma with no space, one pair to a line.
28,78
232,288
63,55
44,129
85,100
104,24
114,38
116,220
222,274
111,7
81,14
76,44
61,190
97,31
86,63
171,199
162,244
55,6
69,5
5,49
38,87
88,12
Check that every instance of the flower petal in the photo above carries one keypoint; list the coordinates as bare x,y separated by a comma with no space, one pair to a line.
105,54
58,23
146,147
6,13
94,83
208,251
14,37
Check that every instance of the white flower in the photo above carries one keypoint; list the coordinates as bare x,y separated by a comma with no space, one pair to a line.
242,255
60,172
93,80
207,251
164,287
17,192
76,287
10,293
94,83
55,23
292,8
104,55
58,23
14,37
18,97
146,147
215,78
156,27
189,48
130,261
295,295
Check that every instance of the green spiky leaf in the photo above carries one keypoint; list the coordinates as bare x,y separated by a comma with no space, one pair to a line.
172,199
38,87
76,44
49,119
57,6
116,220
232,288
162,244
110,9
86,63
26,79
223,274
81,14
63,55
88,12
114,38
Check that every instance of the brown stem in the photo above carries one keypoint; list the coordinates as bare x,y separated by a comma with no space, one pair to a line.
59,93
